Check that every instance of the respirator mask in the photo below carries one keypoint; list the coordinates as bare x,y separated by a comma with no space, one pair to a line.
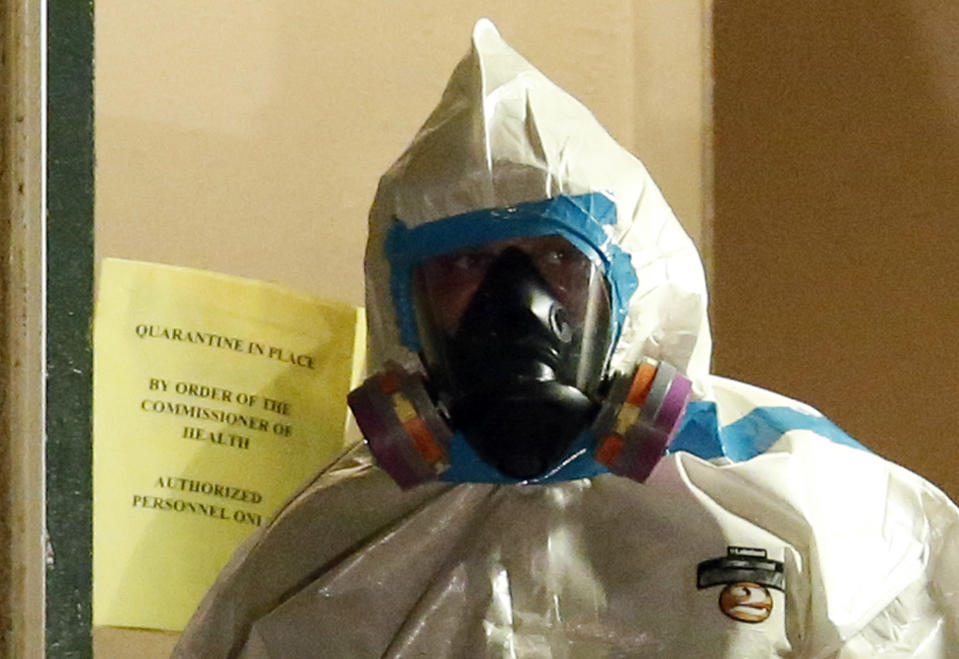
515,336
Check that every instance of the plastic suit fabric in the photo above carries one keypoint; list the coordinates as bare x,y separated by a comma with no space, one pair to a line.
603,566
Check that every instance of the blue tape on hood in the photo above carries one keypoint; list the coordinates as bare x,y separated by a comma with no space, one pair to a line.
466,466
699,434
581,219
751,435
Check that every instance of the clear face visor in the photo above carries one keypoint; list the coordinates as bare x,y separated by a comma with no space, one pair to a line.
531,307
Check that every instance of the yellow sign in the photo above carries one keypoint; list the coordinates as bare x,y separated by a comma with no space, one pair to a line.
215,397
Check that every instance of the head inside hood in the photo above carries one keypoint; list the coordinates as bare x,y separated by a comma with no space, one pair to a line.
503,138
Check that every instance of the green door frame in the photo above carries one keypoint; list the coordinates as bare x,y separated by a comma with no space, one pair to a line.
69,280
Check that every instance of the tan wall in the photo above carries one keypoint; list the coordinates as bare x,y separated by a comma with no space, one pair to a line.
248,137
836,241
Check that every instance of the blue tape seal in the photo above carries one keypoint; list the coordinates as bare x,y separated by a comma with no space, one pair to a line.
581,219
466,466
752,435
699,434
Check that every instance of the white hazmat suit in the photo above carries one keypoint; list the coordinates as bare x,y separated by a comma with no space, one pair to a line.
764,532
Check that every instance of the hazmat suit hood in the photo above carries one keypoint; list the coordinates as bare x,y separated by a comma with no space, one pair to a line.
503,135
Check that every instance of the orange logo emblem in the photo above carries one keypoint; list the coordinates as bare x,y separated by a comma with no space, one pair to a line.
746,601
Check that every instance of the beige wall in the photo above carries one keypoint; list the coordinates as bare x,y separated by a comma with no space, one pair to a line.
836,243
247,137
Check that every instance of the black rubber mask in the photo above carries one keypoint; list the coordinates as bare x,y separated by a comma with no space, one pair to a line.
520,370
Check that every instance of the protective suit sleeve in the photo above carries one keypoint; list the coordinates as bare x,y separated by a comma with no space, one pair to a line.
923,620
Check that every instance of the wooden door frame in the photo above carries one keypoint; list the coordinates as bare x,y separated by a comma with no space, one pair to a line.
22,353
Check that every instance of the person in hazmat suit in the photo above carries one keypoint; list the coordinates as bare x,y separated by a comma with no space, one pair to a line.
549,468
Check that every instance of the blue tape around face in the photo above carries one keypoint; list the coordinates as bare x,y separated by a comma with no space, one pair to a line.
580,219
699,434
466,466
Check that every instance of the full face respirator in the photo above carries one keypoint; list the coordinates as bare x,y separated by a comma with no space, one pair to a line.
514,334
